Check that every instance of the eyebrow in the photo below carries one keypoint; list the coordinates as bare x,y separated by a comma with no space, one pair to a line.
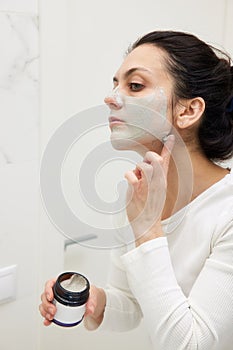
131,71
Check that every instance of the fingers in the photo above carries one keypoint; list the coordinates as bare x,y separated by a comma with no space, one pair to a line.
90,307
47,312
92,302
95,307
167,149
152,172
131,177
143,171
47,308
49,289
47,322
152,157
162,160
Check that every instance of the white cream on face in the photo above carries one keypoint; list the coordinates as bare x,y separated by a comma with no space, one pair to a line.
144,118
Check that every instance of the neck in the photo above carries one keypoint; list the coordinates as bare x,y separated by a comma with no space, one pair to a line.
190,173
187,179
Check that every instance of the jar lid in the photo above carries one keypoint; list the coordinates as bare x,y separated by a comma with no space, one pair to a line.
71,289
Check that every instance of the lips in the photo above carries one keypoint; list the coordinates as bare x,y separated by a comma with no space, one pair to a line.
114,119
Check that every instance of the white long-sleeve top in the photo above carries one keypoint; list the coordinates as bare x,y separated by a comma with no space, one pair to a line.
181,284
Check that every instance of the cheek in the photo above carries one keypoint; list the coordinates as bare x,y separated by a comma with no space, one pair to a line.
171,110
170,115
147,116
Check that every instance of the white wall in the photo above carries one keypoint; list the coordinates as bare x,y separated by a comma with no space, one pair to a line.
82,45
19,119
228,28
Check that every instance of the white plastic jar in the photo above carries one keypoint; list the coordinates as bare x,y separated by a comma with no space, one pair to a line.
71,292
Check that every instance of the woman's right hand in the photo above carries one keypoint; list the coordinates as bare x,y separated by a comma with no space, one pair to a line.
47,308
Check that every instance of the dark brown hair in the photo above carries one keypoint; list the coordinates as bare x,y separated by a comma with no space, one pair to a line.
200,70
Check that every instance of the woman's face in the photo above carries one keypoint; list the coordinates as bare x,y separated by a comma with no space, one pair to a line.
140,103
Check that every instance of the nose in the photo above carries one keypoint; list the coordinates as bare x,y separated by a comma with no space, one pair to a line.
113,100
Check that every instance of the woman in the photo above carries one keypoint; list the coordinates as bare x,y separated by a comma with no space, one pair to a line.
179,277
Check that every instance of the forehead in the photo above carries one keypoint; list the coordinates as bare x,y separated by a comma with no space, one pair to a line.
147,56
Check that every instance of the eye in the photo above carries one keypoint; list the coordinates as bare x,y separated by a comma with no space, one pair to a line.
136,86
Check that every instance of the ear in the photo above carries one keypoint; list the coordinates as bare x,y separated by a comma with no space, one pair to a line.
188,112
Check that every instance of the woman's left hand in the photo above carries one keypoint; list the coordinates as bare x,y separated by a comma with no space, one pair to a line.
146,193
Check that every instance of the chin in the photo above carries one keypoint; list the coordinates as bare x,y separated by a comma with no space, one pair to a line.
137,145
124,144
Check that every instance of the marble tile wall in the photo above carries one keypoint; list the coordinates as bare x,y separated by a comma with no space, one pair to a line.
20,6
18,87
19,115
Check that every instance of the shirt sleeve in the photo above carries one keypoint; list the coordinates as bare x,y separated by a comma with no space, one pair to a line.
204,319
122,311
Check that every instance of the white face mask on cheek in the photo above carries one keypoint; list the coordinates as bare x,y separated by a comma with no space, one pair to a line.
145,118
